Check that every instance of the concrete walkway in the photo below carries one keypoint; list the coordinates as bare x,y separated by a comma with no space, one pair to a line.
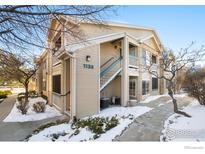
17,131
148,126
6,106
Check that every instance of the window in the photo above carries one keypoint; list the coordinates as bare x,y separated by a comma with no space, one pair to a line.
154,59
132,87
145,57
145,87
154,83
58,44
132,51
57,84
44,85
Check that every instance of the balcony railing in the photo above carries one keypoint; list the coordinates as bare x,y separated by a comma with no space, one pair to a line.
154,67
133,61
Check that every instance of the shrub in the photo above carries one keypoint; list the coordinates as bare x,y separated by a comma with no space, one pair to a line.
4,94
32,94
45,97
8,92
111,123
22,106
97,125
20,98
39,107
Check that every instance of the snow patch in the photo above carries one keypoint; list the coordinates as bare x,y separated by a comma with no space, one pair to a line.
151,98
16,116
123,114
180,128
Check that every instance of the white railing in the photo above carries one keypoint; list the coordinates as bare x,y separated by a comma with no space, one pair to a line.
154,67
133,61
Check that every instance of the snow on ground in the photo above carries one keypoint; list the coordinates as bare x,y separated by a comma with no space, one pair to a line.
180,128
16,116
152,98
13,90
160,104
123,114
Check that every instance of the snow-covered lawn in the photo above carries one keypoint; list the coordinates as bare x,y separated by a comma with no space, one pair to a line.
125,115
180,128
16,116
152,98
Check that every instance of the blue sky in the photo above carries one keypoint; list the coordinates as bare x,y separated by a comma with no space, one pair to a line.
177,26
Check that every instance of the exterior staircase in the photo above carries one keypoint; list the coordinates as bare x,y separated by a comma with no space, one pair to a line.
110,70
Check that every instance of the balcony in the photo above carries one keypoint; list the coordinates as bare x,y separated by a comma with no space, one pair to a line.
133,61
154,67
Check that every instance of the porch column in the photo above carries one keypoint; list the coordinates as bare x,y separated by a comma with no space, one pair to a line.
125,76
73,86
63,69
139,88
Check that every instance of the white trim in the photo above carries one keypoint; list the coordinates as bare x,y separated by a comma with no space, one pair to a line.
56,106
57,63
135,80
110,79
64,85
67,113
107,23
149,37
118,24
73,87
99,52
92,41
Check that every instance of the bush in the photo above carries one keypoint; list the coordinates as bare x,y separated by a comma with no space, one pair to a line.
45,97
8,92
194,84
39,107
22,106
97,125
32,94
4,94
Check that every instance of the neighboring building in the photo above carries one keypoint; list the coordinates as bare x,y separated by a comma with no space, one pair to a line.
108,63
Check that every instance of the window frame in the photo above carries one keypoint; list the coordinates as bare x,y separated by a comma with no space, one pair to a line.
155,86
145,87
155,57
132,87
56,87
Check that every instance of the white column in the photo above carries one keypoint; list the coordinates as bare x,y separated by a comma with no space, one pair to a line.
62,98
73,87
139,89
125,76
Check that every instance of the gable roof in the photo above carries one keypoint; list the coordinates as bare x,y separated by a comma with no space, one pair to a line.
105,38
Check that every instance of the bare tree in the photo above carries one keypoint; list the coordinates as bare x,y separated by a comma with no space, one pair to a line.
24,29
14,68
171,63
194,84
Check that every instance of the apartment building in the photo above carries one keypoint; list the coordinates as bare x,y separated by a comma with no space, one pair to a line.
108,64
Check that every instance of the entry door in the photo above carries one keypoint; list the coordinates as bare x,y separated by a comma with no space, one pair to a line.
68,85
133,88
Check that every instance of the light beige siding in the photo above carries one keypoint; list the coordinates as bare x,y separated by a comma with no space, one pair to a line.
113,89
87,82
92,30
107,51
